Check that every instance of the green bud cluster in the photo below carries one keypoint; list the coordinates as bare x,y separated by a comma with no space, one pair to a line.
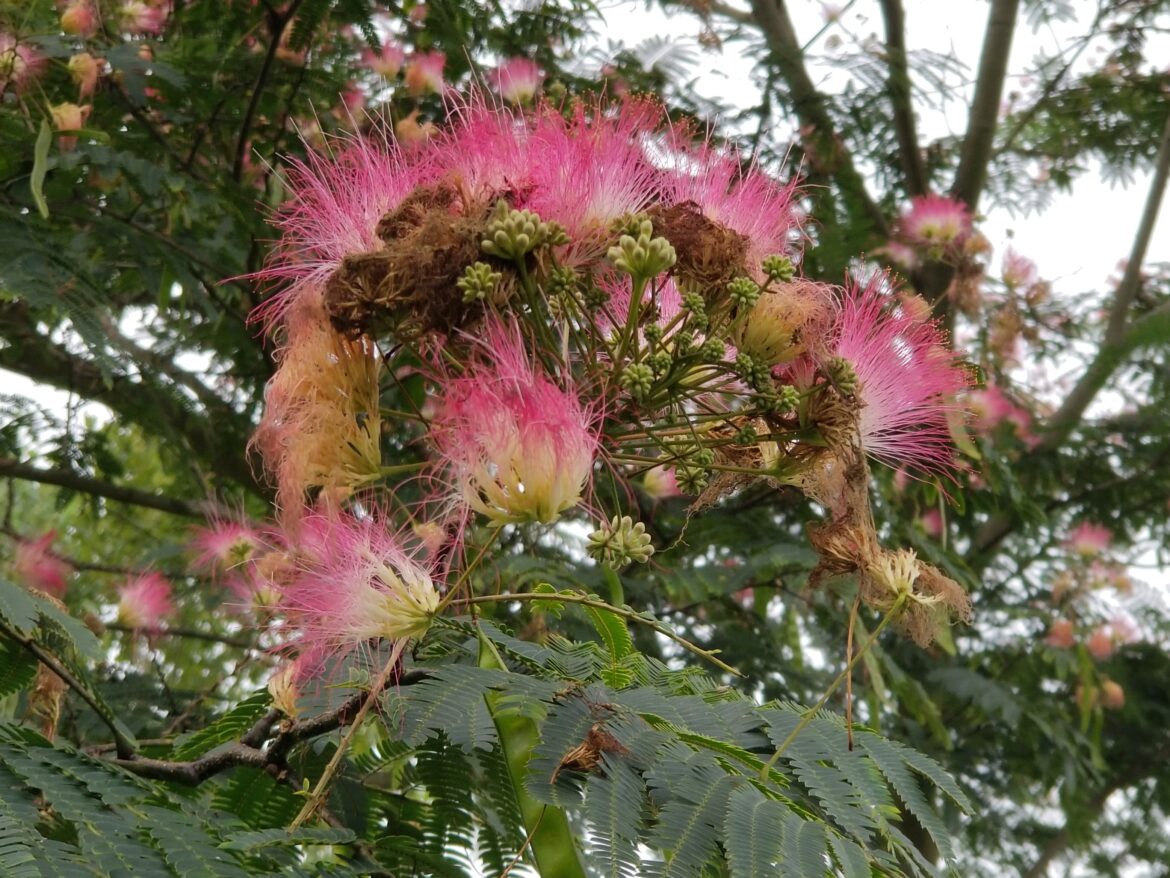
712,350
841,373
653,332
779,268
684,344
755,372
594,297
744,292
747,435
478,282
660,363
691,470
620,541
512,234
637,379
644,256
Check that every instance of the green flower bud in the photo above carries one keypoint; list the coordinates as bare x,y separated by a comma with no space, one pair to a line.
779,268
744,292
478,282
620,541
637,379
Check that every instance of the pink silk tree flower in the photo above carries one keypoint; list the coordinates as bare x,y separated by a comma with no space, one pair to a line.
85,69
80,18
487,151
143,18
34,564
517,80
144,602
1062,635
516,446
333,212
387,61
224,546
936,221
1088,539
19,63
353,584
424,73
750,203
907,379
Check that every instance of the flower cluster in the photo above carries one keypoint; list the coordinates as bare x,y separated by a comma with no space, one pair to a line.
579,290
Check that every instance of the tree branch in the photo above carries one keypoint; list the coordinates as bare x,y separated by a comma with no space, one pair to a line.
898,86
277,25
812,110
98,488
975,156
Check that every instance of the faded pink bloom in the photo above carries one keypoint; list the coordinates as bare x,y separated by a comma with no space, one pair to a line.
1100,643
908,379
516,446
333,211
517,80
749,202
1088,539
418,13
932,523
19,63
661,483
1061,635
224,546
387,62
424,72
1112,695
69,117
1109,575
34,564
85,70
143,18
902,255
936,221
80,18
353,583
991,407
145,601
1019,272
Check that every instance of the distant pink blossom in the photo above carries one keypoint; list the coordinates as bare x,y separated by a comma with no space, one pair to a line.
80,18
932,523
1019,272
20,63
936,221
424,73
354,582
990,407
516,446
1062,635
1100,643
387,61
34,564
224,546
69,117
661,483
144,18
85,69
145,601
908,379
1088,539
517,80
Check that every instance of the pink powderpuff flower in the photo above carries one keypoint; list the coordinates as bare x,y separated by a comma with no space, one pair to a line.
908,379
19,63
749,202
936,221
990,407
516,447
424,73
224,546
69,117
1100,643
486,152
517,80
1088,539
592,168
1061,635
1112,695
143,18
85,69
1019,272
353,583
333,211
661,483
80,19
34,564
387,62
932,523
144,602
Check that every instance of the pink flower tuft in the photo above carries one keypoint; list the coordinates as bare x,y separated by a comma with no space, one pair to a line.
85,70
387,62
907,375
424,72
19,63
661,483
145,601
1101,643
333,212
143,18
34,564
354,582
1061,635
487,152
1019,272
80,18
1088,539
224,547
932,523
991,407
936,221
749,202
517,80
516,446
